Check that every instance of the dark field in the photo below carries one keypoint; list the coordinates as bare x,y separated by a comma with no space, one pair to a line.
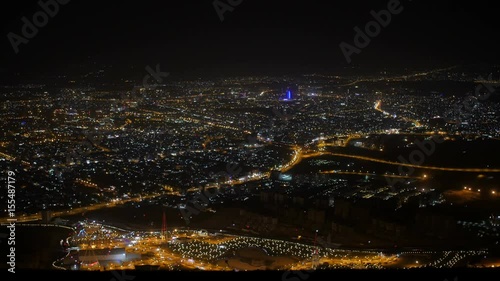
36,247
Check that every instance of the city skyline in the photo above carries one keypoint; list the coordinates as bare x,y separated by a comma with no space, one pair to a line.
232,136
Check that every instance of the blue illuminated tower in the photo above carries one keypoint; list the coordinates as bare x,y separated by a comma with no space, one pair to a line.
289,93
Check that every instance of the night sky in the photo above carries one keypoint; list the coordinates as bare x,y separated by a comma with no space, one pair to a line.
187,37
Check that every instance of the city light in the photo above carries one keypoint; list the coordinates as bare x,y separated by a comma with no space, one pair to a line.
248,149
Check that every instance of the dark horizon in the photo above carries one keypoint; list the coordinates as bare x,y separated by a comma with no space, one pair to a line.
189,39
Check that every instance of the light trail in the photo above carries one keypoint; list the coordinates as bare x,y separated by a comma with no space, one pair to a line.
75,211
398,78
364,158
370,174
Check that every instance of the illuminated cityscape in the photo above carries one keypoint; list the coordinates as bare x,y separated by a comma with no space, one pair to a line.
235,146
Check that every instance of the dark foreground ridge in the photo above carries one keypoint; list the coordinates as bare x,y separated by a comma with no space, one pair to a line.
139,275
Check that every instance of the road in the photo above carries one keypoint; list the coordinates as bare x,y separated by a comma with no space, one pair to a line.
75,211
369,174
398,78
378,107
297,157
364,158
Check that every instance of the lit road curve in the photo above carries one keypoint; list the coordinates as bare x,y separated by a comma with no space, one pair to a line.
378,107
297,157
75,211
468,170
369,174
399,78
215,123
7,156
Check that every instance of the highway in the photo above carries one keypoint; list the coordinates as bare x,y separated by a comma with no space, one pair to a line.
364,158
298,155
377,107
75,211
398,78
193,249
370,174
